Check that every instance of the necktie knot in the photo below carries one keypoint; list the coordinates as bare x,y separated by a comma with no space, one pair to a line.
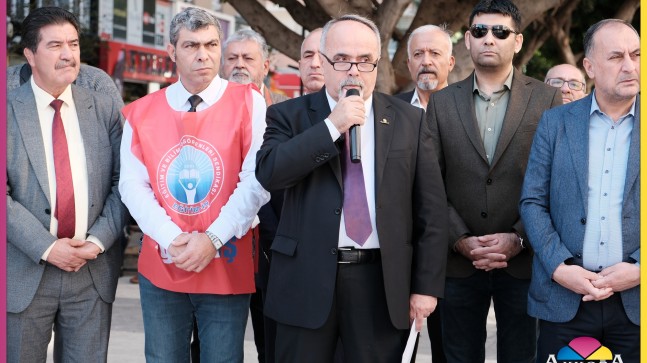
194,100
56,105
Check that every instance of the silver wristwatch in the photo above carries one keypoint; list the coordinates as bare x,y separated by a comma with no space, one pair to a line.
214,240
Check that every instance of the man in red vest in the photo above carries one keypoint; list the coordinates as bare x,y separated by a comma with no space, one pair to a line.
188,180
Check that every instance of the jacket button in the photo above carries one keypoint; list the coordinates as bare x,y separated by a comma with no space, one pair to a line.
578,255
47,211
326,155
483,214
333,251
489,181
337,211
583,220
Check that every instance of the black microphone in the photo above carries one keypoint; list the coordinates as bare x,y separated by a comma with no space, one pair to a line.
354,134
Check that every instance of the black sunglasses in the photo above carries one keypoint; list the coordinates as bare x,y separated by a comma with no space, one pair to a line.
499,31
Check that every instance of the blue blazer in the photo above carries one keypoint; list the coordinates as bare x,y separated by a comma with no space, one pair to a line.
554,206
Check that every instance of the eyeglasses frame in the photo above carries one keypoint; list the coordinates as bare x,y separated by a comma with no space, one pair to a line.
350,64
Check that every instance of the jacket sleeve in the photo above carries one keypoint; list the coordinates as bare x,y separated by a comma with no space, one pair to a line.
535,200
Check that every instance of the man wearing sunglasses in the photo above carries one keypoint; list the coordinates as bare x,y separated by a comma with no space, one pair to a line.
360,248
569,80
482,129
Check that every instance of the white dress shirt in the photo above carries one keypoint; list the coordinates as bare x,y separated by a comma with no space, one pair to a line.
76,150
367,133
415,99
236,215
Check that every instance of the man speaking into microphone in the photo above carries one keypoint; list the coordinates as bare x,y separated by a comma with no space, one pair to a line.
359,251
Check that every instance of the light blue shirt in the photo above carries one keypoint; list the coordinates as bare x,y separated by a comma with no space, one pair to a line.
608,155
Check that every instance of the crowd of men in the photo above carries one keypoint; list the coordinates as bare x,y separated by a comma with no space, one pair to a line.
362,213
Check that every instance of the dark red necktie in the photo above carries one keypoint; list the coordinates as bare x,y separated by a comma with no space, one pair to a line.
64,211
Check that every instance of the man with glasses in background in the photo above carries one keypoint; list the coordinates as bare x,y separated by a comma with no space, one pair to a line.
569,80
360,248
482,129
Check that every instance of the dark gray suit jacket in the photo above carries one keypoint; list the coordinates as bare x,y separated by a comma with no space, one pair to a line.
298,155
28,199
483,198
554,206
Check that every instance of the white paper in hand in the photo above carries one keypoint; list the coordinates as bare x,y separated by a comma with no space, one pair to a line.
411,343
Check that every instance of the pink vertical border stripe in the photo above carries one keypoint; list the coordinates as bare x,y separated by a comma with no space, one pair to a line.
3,184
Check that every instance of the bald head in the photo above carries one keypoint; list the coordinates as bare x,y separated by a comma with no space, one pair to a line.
569,79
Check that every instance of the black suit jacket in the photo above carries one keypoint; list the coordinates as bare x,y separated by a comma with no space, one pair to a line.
298,155
406,96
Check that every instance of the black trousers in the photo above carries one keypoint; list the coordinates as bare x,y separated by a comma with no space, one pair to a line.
605,321
359,316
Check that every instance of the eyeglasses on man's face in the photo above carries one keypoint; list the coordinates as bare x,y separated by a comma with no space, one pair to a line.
346,66
500,31
558,82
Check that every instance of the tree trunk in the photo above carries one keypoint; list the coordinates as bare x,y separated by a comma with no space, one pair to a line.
627,10
275,33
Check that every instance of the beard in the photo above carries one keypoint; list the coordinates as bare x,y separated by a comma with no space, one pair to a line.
428,85
240,76
425,81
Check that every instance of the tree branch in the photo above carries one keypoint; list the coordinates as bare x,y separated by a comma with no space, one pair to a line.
311,16
627,10
262,21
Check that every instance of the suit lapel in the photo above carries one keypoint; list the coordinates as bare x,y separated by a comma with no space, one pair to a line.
383,134
28,122
318,111
463,96
89,133
633,164
517,104
577,133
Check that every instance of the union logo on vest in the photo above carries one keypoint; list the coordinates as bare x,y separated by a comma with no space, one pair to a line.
190,176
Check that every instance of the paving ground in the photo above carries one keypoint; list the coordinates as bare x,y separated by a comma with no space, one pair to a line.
127,333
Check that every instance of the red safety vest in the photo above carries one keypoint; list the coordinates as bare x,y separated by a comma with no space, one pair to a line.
193,160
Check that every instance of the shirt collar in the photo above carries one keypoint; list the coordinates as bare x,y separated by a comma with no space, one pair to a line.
506,85
208,95
596,108
415,100
43,99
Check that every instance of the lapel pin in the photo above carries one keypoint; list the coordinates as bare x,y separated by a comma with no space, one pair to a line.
384,121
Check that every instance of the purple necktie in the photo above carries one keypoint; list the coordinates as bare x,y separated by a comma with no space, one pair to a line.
356,217
64,211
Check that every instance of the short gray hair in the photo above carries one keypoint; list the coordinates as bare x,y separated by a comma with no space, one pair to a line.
351,17
192,19
430,27
249,34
